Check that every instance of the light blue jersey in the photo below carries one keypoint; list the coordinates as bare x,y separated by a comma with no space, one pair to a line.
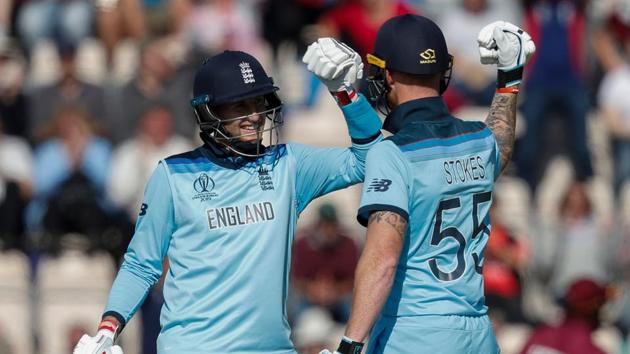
438,172
227,228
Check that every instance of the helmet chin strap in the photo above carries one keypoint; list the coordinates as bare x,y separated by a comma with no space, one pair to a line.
233,146
246,149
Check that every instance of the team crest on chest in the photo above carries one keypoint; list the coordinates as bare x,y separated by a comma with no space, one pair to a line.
203,185
264,179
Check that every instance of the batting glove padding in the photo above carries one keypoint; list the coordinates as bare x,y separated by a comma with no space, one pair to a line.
101,343
507,46
335,64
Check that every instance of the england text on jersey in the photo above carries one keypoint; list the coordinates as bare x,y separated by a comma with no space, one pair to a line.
239,215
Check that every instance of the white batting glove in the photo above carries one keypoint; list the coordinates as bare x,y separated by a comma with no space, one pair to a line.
335,64
326,351
507,46
101,343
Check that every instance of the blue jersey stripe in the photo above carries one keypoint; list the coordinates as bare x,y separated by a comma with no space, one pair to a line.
193,167
441,151
449,141
185,161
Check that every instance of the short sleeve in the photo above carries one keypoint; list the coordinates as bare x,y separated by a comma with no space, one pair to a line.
386,185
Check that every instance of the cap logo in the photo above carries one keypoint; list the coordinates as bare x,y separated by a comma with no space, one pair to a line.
428,57
246,71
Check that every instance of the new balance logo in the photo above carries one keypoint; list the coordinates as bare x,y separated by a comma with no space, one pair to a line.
379,185
246,71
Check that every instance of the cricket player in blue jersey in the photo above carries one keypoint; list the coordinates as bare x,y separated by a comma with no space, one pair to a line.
225,213
427,193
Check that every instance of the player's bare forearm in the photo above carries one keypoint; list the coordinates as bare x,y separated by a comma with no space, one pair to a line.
502,121
375,272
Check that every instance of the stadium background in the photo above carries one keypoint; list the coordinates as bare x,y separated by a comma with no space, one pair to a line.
93,93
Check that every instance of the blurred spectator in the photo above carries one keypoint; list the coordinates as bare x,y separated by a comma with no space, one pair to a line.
612,46
69,90
66,23
6,8
357,22
476,82
12,101
16,165
134,160
158,80
582,303
71,168
117,20
213,26
314,329
580,242
323,266
164,16
504,259
288,21
555,85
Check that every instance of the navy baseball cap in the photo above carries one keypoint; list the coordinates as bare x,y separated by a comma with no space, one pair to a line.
230,77
410,44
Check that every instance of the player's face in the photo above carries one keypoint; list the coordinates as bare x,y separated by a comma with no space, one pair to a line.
243,119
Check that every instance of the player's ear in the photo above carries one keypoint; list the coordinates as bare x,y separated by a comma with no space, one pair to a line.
390,83
389,79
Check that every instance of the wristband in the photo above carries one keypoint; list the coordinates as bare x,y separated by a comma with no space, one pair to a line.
348,346
345,96
512,89
509,78
109,326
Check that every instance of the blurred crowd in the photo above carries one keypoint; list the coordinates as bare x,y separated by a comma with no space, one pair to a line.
94,92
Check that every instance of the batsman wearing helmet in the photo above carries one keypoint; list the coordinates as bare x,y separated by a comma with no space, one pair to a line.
427,193
225,214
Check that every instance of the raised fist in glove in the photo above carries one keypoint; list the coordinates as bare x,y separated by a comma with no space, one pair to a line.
101,343
335,64
507,46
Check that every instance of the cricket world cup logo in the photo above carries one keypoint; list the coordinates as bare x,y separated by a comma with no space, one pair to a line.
204,185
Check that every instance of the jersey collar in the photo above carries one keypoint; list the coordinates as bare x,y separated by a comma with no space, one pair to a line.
422,109
222,157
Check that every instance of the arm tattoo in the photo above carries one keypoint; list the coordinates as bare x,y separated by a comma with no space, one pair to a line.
502,121
396,221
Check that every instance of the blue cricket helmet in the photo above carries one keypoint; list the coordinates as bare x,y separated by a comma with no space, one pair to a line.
230,77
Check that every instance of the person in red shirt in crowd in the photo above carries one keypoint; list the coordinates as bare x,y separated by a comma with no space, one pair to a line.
582,304
504,257
324,259
356,22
